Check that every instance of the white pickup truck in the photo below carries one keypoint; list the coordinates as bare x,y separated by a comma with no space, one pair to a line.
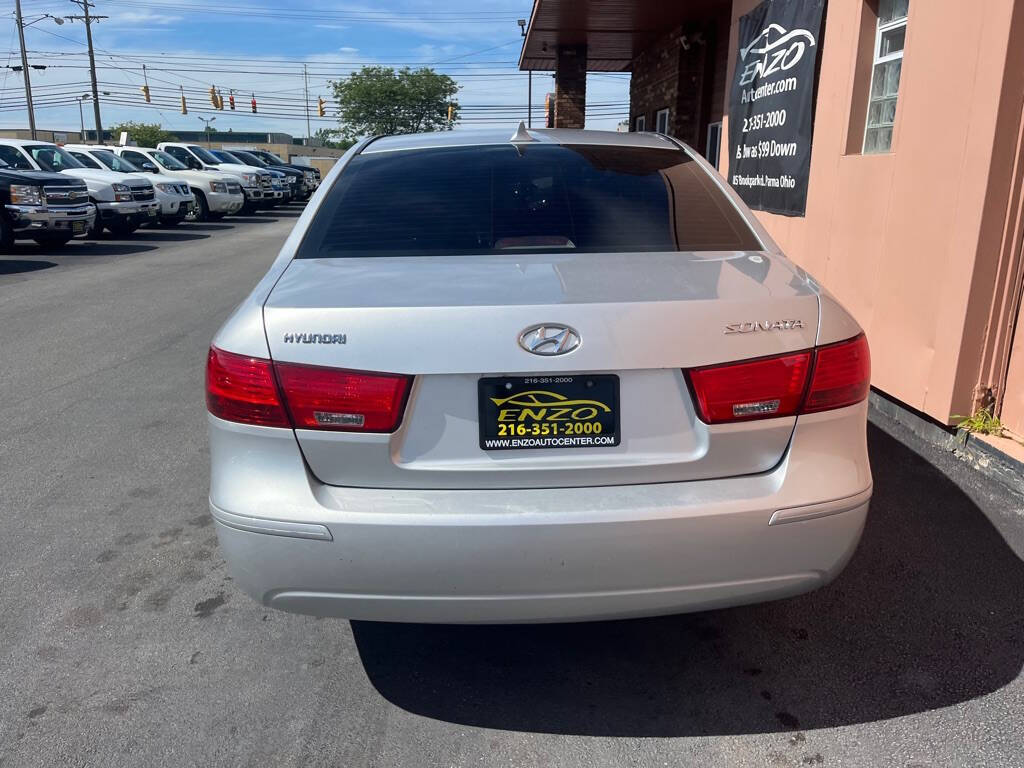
217,194
257,184
123,203
175,198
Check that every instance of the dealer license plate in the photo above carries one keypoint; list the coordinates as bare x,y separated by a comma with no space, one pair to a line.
77,227
571,411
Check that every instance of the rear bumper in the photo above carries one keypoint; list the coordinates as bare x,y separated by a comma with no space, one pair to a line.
564,554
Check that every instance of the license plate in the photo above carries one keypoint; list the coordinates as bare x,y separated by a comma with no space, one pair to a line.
77,227
151,213
572,411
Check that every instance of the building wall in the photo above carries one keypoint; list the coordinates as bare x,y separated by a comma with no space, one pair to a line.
910,240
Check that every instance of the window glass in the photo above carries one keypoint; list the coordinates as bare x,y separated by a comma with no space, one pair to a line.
115,163
87,161
890,38
640,123
168,161
206,156
52,158
891,10
502,198
14,158
661,121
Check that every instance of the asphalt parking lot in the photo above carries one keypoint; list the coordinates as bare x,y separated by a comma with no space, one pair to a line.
124,643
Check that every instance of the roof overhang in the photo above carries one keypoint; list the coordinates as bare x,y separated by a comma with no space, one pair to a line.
614,31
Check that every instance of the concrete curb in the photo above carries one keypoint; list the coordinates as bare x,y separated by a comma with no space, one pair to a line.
897,419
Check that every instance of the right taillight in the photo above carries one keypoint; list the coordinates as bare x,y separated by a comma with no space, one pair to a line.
814,380
842,375
252,390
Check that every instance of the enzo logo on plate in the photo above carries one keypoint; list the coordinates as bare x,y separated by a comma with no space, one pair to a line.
539,405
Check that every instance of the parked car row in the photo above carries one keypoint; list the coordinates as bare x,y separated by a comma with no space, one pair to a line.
53,193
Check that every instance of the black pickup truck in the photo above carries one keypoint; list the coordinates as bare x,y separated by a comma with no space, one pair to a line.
50,208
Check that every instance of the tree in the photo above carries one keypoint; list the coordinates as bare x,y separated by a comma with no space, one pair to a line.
143,134
380,100
332,138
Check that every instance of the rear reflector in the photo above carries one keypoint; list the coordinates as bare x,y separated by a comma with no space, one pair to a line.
242,389
251,390
839,375
330,398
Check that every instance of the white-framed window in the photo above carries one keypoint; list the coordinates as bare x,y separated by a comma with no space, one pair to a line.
661,120
885,75
714,144
640,123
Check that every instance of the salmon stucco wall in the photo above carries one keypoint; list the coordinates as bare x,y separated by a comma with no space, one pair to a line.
897,236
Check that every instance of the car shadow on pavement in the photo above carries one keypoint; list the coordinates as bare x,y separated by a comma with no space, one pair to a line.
206,226
164,236
265,218
926,615
18,266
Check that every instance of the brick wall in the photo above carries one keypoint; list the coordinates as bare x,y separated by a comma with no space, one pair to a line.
570,86
687,79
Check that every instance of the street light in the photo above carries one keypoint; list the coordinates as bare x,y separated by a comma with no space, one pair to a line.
81,116
207,129
529,85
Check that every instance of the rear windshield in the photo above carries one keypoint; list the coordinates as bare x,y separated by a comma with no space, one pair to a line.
501,198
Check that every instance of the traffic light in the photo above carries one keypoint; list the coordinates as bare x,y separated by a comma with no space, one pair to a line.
549,110
184,106
254,103
231,100
213,96
220,100
320,110
145,93
451,112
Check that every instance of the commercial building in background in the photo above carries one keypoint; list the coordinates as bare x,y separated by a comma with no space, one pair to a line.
881,142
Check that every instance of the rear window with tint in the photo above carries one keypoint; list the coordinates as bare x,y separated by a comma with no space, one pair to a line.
502,198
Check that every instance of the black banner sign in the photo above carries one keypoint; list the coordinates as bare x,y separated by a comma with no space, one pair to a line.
771,104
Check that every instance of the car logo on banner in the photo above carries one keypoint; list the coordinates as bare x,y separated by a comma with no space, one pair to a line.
549,339
781,53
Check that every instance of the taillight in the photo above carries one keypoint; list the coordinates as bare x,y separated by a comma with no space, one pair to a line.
251,390
242,389
842,375
330,398
838,375
753,389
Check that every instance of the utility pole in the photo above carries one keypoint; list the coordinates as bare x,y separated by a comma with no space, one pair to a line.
24,69
305,81
89,20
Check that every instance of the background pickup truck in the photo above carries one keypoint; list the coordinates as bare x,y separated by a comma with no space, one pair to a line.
46,207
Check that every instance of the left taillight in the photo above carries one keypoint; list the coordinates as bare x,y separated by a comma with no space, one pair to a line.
243,389
252,390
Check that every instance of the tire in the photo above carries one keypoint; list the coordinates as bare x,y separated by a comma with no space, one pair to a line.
248,208
6,234
52,240
122,227
202,209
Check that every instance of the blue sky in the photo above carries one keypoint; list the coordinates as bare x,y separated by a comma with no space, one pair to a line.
260,46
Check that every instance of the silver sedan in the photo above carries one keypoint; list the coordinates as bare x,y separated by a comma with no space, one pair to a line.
554,377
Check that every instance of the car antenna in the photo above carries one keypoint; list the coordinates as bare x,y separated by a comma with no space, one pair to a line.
521,134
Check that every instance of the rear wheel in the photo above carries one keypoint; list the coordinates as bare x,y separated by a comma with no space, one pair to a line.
52,239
